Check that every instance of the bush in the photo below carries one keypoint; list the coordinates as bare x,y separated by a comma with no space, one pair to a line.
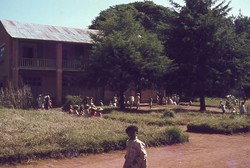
176,135
71,100
11,97
224,125
169,113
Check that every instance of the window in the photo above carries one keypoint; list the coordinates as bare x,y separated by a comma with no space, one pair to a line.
1,52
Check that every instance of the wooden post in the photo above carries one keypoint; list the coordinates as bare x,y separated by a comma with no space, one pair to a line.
59,74
15,55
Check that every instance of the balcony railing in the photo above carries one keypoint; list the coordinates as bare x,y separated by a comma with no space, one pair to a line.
36,63
72,65
48,64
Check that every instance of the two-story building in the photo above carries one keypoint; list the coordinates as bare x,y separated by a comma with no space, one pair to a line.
50,60
45,57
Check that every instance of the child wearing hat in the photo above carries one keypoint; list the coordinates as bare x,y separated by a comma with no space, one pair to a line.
136,155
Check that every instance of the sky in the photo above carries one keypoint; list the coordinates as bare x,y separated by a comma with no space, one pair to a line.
78,13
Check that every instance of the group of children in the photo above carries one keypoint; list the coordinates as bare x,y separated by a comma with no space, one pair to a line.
130,101
44,102
224,106
85,110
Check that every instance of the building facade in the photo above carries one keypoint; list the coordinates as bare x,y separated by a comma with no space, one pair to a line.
47,58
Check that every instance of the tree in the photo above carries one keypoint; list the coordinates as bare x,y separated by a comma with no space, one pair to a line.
124,54
154,18
242,29
201,42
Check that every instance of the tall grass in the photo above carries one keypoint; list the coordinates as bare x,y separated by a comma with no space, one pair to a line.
36,134
195,121
12,97
224,124
155,118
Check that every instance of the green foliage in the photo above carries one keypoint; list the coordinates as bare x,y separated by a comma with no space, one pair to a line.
175,135
168,135
169,113
203,43
71,100
242,24
125,55
19,98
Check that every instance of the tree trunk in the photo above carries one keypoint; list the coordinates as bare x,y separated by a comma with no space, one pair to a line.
121,98
202,103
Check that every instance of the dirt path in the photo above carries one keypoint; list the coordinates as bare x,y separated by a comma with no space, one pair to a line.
203,151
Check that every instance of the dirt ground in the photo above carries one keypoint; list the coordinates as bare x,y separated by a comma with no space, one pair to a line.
202,151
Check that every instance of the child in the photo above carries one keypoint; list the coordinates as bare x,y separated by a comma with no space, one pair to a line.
243,108
136,155
150,102
71,109
138,101
222,107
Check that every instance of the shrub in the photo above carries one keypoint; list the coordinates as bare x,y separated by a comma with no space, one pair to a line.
176,135
12,97
71,100
223,125
169,113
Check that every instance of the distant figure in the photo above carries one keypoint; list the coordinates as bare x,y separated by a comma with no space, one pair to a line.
138,101
76,110
40,101
81,110
46,102
158,99
92,101
86,101
50,103
115,101
101,102
125,100
110,103
131,101
150,102
171,101
136,155
70,109
222,107
243,109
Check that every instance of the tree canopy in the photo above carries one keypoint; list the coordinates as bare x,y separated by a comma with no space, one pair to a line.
195,50
204,45
125,55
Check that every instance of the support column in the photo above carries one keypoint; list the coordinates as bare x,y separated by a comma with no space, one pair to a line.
59,74
14,63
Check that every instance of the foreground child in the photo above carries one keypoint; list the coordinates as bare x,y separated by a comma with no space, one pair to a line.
136,155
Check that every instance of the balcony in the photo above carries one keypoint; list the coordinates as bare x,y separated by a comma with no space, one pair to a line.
48,64
71,65
37,64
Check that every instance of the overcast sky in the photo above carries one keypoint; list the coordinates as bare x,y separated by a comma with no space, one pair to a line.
77,13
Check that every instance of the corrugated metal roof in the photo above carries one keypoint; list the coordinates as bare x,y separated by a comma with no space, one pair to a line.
45,32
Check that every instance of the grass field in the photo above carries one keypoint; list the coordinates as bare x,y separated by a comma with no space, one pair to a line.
29,134
34,134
